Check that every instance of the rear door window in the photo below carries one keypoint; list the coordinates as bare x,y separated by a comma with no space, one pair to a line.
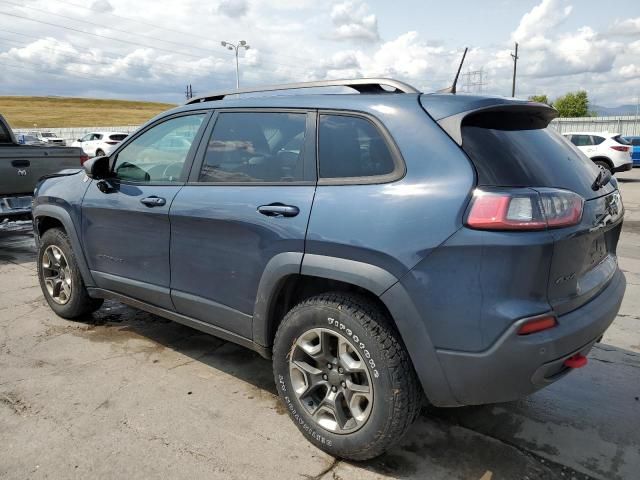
596,139
505,152
352,147
581,140
249,147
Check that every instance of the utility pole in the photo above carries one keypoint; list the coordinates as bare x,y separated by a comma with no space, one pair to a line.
235,48
188,92
515,64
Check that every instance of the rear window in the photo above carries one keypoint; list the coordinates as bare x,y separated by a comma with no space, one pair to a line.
621,140
118,137
508,150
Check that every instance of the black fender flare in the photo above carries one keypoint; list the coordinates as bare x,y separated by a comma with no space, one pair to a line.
374,279
60,214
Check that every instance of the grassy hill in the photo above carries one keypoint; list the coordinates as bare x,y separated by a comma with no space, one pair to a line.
51,112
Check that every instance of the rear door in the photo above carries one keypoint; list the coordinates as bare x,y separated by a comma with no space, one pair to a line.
126,219
508,153
248,199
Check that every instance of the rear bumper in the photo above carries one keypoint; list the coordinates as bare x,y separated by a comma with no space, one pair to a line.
516,366
624,167
15,206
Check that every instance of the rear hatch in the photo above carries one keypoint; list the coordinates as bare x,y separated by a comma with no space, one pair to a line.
511,145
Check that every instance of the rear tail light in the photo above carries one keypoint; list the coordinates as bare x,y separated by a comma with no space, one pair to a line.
83,158
620,148
524,209
537,325
111,143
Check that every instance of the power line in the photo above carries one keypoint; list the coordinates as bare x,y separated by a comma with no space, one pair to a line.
131,42
181,32
209,52
106,27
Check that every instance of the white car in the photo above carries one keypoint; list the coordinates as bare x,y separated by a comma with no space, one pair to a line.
47,137
98,144
606,149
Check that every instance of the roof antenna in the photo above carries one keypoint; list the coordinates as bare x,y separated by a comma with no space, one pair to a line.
452,88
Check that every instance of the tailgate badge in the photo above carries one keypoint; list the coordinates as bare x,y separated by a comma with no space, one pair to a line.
22,173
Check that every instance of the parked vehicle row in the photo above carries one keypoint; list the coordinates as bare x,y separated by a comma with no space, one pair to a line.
47,137
22,165
382,248
608,150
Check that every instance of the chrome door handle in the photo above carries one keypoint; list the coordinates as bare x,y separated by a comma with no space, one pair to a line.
278,210
153,201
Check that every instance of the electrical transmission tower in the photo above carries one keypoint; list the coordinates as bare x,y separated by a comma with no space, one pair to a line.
473,81
188,92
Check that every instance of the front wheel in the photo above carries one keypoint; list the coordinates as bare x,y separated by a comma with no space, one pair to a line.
344,376
99,153
60,277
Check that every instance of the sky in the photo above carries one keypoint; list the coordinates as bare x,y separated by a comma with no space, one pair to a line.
150,50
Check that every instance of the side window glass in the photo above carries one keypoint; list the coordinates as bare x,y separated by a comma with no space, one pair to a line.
597,140
158,155
4,134
581,140
351,147
255,147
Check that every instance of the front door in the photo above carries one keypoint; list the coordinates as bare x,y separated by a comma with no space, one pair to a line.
126,218
248,199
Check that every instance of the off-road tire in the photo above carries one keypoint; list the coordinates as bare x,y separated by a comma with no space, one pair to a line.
603,164
79,303
397,396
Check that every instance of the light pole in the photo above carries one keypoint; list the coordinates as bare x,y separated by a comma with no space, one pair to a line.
235,48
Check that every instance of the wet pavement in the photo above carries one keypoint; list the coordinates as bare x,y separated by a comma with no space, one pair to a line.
127,394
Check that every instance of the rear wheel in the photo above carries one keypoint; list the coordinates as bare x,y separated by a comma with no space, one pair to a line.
604,164
99,153
344,376
60,278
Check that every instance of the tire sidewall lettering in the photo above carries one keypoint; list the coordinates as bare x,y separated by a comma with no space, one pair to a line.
343,329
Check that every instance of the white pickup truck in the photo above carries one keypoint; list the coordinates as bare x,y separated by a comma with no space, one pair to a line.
48,137
21,166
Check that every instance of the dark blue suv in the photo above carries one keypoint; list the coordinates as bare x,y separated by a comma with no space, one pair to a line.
383,247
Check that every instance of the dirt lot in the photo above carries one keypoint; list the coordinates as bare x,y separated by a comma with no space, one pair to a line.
130,395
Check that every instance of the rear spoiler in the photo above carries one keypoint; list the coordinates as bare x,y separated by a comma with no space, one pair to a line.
538,116
452,112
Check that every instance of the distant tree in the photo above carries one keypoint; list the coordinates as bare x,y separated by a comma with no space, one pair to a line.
573,104
540,99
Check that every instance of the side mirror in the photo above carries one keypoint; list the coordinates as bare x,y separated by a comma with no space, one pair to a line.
79,140
97,168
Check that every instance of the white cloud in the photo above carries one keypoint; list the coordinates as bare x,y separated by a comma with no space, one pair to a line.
630,71
540,21
353,21
233,8
102,6
629,26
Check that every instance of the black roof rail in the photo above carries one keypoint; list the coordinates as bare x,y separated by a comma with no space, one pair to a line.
362,85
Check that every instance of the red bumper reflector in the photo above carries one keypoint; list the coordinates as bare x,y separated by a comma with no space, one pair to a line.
537,325
577,361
